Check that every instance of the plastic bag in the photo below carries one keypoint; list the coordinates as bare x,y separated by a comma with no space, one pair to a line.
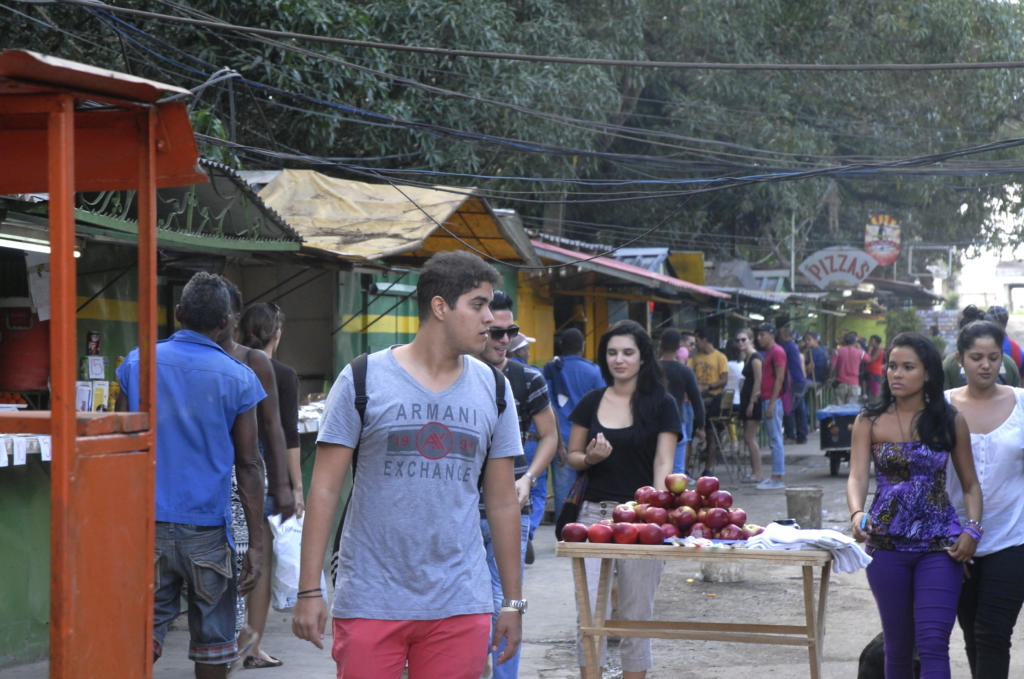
284,585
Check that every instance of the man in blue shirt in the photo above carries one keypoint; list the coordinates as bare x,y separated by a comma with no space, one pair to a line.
569,377
205,425
795,421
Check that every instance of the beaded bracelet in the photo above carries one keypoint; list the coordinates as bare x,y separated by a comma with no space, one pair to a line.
976,525
972,533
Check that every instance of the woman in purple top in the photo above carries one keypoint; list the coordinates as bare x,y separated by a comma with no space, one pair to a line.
913,533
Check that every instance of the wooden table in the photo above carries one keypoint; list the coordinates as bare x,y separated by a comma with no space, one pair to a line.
593,624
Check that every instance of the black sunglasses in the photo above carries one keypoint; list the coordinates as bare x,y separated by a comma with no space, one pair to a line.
498,333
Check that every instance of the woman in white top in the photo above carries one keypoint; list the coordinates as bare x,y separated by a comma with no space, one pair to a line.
993,589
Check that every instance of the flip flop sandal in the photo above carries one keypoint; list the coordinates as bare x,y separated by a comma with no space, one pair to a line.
256,662
243,652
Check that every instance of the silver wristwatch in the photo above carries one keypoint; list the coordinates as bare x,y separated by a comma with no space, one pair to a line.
517,604
533,479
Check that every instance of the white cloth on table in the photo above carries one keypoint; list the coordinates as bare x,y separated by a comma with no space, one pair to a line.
847,555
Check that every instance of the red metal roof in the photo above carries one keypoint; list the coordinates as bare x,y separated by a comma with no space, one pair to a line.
656,279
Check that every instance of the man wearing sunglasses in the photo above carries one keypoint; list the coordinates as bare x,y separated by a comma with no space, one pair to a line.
533,405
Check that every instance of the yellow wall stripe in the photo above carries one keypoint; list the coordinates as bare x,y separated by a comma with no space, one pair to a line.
387,324
105,309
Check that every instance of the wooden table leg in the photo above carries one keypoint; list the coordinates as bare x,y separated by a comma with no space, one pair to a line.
813,627
822,600
590,643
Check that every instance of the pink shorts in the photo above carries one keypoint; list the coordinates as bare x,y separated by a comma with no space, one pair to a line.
449,648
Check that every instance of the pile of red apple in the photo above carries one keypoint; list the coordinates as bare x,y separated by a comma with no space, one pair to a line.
656,515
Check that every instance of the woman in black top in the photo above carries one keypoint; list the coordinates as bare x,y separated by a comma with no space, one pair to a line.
623,437
750,395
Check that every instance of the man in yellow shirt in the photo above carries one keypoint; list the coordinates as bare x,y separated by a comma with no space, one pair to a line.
712,370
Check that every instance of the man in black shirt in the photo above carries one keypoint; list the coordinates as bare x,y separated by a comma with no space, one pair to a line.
682,385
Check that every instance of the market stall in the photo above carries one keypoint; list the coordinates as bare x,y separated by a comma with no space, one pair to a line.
594,625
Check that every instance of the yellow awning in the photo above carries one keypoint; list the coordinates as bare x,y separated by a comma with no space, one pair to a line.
377,221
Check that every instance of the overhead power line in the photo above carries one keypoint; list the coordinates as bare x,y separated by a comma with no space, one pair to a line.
550,59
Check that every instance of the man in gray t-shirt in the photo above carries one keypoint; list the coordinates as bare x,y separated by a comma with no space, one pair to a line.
412,573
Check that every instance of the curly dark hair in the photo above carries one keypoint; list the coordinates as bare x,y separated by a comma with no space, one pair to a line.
936,424
650,381
204,303
976,329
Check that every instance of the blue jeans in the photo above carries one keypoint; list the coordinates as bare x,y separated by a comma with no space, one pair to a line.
198,561
562,478
539,493
773,425
679,461
510,668
795,424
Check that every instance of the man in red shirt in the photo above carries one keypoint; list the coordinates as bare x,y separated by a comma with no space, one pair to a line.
773,380
846,364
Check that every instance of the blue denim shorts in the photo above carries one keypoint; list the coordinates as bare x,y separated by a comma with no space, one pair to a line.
196,561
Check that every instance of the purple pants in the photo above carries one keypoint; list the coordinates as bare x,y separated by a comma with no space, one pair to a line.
917,594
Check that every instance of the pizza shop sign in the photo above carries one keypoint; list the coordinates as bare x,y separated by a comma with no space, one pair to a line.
838,267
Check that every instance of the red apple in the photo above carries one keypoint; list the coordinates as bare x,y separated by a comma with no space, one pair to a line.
744,534
662,498
574,532
754,529
641,512
699,530
623,514
737,516
658,515
650,534
676,482
670,530
707,485
643,494
730,532
702,515
717,518
690,498
606,522
600,532
624,533
721,498
684,517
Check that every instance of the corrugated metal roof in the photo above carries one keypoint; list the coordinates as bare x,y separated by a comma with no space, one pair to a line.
628,272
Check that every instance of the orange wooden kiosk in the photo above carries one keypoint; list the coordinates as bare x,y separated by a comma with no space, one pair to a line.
67,127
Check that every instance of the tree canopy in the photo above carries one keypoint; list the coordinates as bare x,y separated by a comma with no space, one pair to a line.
725,161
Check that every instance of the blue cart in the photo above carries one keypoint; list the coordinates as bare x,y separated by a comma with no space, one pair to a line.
835,428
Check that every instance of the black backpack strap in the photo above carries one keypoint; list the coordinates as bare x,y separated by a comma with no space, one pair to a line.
358,366
499,389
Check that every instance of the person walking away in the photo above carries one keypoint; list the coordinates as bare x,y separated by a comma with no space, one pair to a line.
816,366
533,407
624,436
682,386
205,425
953,373
253,609
712,371
412,583
993,590
773,379
873,366
750,401
260,329
569,377
845,371
795,421
914,537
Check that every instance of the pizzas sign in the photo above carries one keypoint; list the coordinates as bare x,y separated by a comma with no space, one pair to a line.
838,267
